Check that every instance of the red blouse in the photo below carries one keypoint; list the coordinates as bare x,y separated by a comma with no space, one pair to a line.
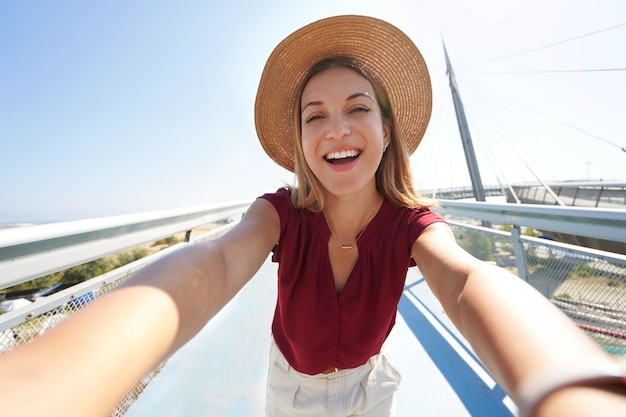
315,328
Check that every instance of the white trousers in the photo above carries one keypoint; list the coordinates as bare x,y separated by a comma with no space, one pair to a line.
366,391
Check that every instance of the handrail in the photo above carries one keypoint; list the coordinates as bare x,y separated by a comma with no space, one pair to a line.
50,302
599,223
30,252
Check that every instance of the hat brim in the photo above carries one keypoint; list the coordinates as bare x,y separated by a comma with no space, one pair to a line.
384,52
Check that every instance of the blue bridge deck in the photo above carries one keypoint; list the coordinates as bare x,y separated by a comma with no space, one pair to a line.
222,371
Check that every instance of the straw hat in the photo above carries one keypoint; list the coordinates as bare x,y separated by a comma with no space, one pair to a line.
384,52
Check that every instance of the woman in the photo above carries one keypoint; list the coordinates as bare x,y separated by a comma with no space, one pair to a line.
342,102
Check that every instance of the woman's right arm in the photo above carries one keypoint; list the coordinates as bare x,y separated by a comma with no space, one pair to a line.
85,366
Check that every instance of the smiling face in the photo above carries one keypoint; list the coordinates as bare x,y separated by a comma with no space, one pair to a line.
342,130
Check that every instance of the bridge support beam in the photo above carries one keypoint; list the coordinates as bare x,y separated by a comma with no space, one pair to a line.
520,253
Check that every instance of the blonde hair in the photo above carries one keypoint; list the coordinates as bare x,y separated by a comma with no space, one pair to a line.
394,179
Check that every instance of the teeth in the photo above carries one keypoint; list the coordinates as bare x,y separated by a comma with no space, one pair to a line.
343,154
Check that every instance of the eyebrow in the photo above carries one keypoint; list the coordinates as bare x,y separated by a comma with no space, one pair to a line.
350,97
355,95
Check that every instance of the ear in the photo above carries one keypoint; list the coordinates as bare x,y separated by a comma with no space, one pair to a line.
386,134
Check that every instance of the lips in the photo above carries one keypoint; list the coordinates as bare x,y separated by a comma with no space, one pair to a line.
342,157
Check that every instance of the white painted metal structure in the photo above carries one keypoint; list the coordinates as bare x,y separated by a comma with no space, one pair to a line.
222,370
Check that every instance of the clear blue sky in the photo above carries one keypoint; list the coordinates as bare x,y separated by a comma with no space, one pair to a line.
113,107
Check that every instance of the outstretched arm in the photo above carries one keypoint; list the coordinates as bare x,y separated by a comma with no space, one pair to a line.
94,358
513,329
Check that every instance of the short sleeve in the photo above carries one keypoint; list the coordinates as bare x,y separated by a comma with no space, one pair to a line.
281,200
420,219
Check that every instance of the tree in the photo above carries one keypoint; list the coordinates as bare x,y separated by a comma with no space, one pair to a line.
476,243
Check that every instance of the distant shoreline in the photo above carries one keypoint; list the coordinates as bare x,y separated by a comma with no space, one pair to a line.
14,225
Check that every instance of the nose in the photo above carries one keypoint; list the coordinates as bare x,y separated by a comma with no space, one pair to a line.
338,128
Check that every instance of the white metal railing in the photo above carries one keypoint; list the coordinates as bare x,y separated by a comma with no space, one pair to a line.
30,252
589,285
599,223
34,251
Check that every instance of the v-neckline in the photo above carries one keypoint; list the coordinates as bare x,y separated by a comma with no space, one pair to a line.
339,282
328,238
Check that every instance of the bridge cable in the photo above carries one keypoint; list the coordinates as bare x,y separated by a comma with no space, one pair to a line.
546,186
526,109
554,44
608,142
551,71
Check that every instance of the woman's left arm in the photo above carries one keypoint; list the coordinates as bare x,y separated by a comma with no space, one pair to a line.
514,330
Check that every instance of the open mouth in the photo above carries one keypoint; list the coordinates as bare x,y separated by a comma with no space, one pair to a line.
342,157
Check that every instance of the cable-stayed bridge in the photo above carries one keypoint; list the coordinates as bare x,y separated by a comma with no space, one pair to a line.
222,371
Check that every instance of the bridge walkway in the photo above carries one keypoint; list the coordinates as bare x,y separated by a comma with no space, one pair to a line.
222,371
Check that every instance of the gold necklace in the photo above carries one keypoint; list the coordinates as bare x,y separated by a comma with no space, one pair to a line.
332,232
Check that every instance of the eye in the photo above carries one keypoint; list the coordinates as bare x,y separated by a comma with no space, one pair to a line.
312,118
360,109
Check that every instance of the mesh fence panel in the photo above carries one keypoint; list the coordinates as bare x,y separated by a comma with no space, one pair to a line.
33,326
590,290
587,286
